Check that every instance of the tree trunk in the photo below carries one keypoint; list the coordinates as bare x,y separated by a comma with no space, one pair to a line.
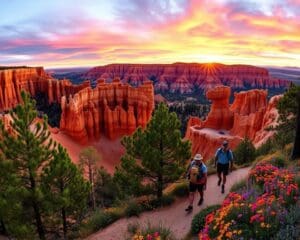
160,174
3,228
64,218
37,214
296,149
91,178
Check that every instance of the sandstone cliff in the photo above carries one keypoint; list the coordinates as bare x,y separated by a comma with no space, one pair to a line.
32,80
111,109
249,115
184,77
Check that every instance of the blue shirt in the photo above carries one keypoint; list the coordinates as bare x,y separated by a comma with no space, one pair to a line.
224,157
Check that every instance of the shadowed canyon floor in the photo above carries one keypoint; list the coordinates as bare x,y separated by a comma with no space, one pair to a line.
173,216
109,150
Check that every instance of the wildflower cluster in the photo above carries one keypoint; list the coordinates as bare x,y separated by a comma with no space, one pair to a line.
257,213
139,236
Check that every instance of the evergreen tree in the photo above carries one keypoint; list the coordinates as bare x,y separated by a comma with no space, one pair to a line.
244,152
296,149
66,189
156,155
30,150
88,159
288,119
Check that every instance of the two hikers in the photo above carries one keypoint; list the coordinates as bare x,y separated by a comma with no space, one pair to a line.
197,174
223,158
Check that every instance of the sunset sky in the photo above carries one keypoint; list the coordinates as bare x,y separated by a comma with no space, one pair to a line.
67,33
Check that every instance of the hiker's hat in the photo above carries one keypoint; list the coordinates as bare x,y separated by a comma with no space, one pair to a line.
198,157
225,143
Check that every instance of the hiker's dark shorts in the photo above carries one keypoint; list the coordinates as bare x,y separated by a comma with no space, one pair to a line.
223,168
194,187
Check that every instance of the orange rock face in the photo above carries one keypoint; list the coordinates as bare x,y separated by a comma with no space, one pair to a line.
111,109
249,115
184,77
32,80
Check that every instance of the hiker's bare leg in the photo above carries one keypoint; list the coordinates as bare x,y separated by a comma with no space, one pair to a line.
219,175
201,194
224,178
191,198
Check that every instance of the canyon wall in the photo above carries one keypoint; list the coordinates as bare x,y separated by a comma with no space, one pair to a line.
33,80
111,109
248,116
185,77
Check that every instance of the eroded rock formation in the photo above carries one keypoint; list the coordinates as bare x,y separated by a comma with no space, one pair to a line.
33,80
249,115
184,77
110,109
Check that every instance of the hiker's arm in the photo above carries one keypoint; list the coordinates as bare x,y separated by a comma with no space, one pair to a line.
216,159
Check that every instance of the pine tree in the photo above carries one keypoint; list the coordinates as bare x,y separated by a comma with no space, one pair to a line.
296,149
156,154
66,189
30,150
88,159
288,108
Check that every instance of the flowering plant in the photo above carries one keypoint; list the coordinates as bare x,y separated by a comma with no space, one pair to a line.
252,214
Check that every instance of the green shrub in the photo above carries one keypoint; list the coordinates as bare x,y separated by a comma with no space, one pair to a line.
198,221
265,148
239,186
165,200
100,220
181,190
245,152
297,180
133,209
164,232
278,161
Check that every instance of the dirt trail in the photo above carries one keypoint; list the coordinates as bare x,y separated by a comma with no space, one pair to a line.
173,216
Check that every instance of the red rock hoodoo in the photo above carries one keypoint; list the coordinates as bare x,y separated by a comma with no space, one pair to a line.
110,109
184,77
33,80
249,115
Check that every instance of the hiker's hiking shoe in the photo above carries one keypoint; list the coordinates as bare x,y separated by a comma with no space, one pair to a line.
223,189
219,182
200,201
189,208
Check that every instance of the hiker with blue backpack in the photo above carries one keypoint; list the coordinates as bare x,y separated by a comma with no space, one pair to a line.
197,175
223,158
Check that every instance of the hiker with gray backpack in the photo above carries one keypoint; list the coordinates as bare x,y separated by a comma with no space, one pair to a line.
223,158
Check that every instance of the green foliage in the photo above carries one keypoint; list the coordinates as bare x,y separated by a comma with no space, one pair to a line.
287,107
88,160
279,161
99,220
265,148
133,209
52,110
154,157
244,152
239,186
106,190
198,221
181,190
29,150
65,188
149,229
290,230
